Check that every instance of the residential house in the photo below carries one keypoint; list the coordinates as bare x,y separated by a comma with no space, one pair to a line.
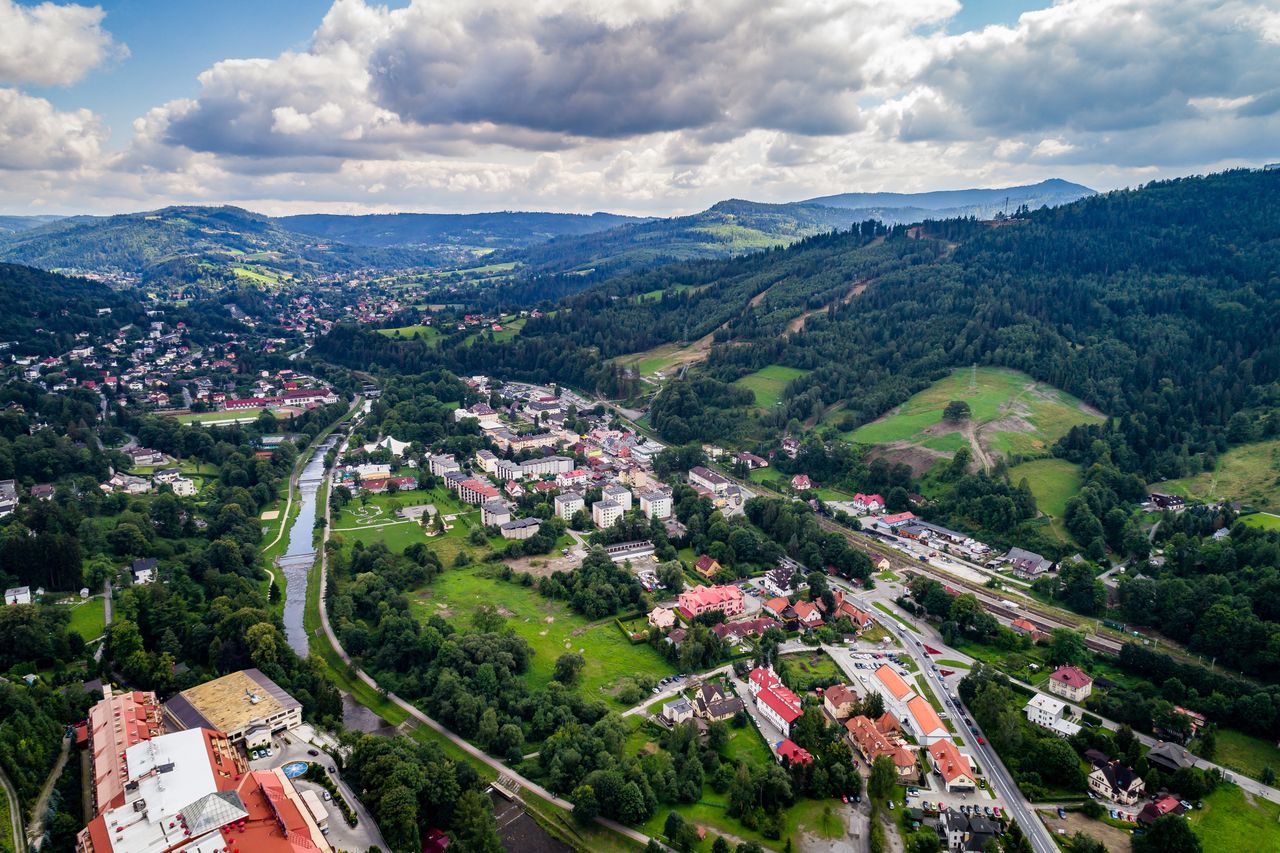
839,701
882,737
1158,808
1071,683
778,580
864,504
844,607
677,711
807,614
1027,629
42,491
953,766
736,632
963,833
792,754
801,483
752,461
1117,783
143,571
706,566
1049,713
694,602
17,595
1027,565
662,618
1169,757
714,702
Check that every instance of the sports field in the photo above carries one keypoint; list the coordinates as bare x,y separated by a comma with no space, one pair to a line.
220,417
768,383
549,626
1249,473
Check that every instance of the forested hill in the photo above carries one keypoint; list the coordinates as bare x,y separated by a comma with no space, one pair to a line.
506,229
1158,305
44,311
978,203
178,242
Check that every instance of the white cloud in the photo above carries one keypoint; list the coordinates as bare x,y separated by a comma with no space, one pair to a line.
51,44
34,135
666,106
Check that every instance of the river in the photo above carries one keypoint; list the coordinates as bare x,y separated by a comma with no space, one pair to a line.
301,554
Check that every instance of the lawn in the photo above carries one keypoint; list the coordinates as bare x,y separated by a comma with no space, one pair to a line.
88,618
663,358
804,671
549,626
1265,520
1249,473
768,383
1012,413
1052,481
1245,753
239,417
1231,822
427,333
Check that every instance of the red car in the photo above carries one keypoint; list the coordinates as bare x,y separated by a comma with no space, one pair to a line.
844,797
982,741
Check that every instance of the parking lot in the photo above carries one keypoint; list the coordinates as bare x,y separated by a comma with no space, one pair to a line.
288,747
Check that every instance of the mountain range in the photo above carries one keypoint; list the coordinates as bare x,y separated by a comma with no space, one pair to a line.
224,244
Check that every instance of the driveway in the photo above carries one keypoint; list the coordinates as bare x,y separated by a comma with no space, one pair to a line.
365,833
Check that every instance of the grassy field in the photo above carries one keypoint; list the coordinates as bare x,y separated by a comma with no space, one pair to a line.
88,618
1011,412
806,670
768,383
1231,822
549,626
426,332
241,417
663,359
1052,481
1249,474
1245,753
1265,520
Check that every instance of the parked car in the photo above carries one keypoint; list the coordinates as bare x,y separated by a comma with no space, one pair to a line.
313,752
982,741
327,796
891,807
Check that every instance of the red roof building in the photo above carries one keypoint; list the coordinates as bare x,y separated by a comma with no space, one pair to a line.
790,753
773,699
709,599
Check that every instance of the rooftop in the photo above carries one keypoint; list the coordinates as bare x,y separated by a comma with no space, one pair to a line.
230,703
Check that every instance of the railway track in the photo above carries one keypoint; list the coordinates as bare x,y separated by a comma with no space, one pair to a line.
1035,613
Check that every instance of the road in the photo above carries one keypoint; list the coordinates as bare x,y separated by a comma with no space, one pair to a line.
503,771
15,813
998,776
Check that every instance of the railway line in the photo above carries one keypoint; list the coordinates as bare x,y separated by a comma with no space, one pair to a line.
1038,615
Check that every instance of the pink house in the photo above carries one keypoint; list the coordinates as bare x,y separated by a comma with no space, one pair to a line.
707,599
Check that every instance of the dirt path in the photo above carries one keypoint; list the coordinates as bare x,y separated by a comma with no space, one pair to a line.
797,324
970,433
15,814
35,829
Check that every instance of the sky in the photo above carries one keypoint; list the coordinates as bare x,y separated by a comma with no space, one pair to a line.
632,106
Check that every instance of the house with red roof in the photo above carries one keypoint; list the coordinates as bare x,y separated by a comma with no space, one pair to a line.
792,754
807,613
898,519
1027,629
873,740
1071,683
844,607
774,700
1157,809
706,566
867,503
953,766
801,483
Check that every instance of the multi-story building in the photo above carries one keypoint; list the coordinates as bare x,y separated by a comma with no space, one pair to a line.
775,702
1050,713
494,512
442,464
708,480
117,722
246,706
698,600
476,492
606,513
953,766
620,495
655,504
568,504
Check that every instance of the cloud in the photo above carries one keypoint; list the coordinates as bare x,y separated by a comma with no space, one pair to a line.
52,45
34,135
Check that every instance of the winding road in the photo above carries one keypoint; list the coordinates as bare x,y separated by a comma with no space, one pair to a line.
15,813
503,771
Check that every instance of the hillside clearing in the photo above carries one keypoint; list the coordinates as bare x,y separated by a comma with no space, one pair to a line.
1012,415
1249,473
768,383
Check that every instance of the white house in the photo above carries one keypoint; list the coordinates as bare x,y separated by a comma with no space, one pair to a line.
17,595
1049,713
